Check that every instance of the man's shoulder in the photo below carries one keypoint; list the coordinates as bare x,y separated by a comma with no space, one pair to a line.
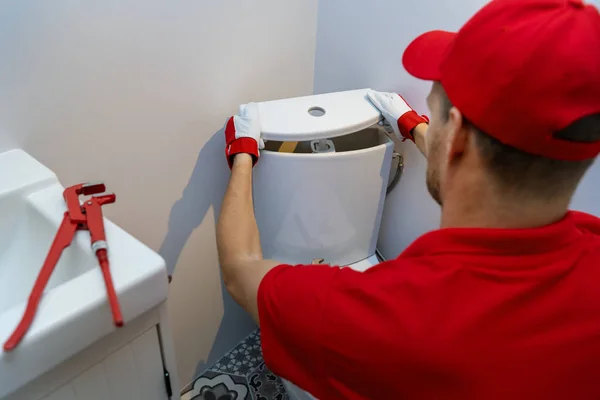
401,269
586,222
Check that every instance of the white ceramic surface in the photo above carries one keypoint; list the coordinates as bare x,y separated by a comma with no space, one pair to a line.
326,205
317,117
74,311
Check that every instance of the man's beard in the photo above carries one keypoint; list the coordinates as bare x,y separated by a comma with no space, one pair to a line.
433,174
433,184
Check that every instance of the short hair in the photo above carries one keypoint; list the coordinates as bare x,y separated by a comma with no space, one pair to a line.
530,175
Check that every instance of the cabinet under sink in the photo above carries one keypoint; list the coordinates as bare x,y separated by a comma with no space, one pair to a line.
72,350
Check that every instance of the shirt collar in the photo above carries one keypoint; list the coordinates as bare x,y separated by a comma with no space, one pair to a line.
495,240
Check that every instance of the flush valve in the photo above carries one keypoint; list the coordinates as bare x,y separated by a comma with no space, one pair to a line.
322,146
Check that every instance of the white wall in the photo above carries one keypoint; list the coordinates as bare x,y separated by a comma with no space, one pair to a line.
134,93
360,44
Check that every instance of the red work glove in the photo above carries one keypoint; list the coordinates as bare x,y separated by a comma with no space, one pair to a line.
397,113
242,134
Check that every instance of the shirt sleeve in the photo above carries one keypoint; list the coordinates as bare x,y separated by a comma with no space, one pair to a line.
292,302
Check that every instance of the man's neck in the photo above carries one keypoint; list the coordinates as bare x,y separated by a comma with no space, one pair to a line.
486,212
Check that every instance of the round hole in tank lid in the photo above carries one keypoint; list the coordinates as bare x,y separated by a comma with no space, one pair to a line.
316,111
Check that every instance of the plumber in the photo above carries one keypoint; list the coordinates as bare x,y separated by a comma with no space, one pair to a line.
503,300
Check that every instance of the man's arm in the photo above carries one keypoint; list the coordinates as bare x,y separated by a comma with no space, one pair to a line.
238,240
418,134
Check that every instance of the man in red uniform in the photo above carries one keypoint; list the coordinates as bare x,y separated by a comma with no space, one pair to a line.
503,301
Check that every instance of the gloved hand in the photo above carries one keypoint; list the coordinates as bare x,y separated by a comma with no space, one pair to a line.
242,134
397,113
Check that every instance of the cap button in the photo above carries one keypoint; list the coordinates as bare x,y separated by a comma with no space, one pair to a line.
576,3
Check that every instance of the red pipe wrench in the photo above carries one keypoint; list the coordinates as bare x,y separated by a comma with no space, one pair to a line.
86,216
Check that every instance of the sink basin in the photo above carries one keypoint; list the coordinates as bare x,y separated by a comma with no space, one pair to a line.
74,311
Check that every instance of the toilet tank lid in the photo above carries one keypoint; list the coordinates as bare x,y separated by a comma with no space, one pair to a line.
317,117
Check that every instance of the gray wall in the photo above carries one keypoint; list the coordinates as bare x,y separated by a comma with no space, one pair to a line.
360,44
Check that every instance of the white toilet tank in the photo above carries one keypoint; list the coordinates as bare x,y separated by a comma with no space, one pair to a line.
320,185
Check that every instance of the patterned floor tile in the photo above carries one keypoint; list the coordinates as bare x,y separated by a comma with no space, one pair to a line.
265,385
241,374
213,385
242,359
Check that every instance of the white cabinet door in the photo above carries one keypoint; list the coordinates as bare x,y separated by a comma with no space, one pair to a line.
134,372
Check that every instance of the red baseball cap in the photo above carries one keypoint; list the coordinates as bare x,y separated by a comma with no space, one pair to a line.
520,70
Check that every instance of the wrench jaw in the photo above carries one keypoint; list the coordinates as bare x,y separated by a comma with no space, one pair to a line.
105,198
71,196
92,188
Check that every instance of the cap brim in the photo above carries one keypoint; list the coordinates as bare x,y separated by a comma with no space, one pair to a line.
424,55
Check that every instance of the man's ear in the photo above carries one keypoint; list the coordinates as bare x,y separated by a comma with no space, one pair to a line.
458,135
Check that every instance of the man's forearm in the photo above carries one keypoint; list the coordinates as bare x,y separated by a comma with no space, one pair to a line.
237,233
419,135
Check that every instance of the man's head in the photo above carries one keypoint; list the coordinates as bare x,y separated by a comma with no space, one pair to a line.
457,149
515,104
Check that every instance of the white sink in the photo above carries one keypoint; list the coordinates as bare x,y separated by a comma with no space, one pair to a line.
74,311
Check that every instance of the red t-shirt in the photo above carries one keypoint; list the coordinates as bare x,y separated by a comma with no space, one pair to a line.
462,313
